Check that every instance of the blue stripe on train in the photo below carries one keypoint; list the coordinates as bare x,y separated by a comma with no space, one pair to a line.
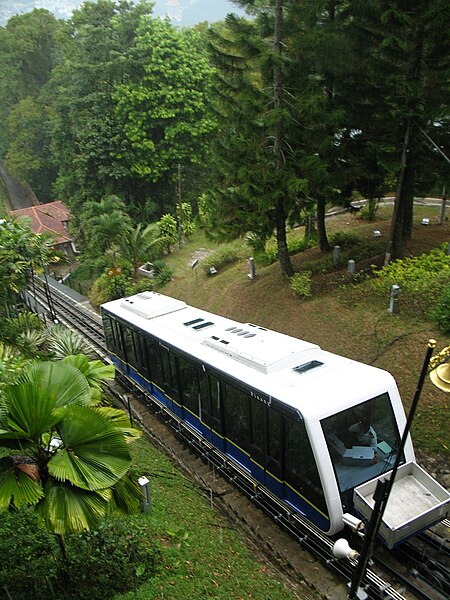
274,485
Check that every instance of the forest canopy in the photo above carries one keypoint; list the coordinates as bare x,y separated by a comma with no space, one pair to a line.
266,118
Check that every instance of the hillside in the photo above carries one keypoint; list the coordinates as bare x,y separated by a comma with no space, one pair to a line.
334,318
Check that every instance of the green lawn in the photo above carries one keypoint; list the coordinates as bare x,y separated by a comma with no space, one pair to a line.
203,555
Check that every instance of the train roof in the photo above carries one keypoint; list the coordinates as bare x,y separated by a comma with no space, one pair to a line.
297,373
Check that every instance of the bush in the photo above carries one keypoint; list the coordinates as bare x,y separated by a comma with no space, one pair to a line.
441,312
104,562
295,245
421,279
344,239
300,284
225,255
28,566
100,563
162,276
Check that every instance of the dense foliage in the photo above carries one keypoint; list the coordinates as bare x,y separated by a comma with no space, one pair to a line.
423,280
99,564
254,121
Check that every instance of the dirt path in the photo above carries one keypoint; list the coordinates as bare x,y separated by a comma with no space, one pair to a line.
19,195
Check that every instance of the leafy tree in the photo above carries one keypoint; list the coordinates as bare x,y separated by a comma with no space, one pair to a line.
28,156
28,54
168,231
163,105
68,457
96,55
22,253
409,57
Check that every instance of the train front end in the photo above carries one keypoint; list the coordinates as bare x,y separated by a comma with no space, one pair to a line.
363,441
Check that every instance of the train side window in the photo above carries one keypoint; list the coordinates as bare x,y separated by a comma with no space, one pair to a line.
108,332
154,358
301,469
237,405
169,372
214,394
189,384
129,347
117,344
143,356
210,400
137,349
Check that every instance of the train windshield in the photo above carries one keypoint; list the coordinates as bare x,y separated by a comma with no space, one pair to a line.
362,441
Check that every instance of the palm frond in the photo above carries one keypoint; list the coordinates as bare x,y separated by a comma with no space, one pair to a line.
16,486
95,371
121,421
66,508
126,497
95,454
30,410
66,383
64,342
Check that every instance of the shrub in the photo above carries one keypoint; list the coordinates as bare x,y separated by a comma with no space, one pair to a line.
162,276
295,245
421,279
225,255
168,230
100,563
28,566
255,241
441,312
300,284
344,239
104,562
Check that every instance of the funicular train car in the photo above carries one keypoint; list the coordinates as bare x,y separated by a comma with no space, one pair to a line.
311,426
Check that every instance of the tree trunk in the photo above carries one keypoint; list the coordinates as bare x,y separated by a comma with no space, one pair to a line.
408,193
282,247
62,545
324,244
280,210
395,244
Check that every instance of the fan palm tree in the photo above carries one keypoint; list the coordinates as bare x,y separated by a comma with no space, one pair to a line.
67,456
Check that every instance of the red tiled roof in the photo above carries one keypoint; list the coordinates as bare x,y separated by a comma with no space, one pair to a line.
47,218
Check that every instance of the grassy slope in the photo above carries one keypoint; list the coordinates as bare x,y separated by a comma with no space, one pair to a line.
203,555
332,318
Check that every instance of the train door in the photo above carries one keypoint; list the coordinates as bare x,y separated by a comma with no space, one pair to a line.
189,391
275,448
237,424
303,485
211,408
170,379
258,433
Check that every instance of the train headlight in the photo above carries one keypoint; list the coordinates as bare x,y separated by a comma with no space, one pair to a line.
341,549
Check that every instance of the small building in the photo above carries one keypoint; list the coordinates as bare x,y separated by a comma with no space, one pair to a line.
51,218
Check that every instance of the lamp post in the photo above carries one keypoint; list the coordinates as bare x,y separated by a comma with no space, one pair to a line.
439,368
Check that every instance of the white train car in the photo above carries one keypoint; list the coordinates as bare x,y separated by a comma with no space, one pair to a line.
309,425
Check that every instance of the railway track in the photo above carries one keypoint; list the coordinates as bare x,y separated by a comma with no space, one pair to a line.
417,569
